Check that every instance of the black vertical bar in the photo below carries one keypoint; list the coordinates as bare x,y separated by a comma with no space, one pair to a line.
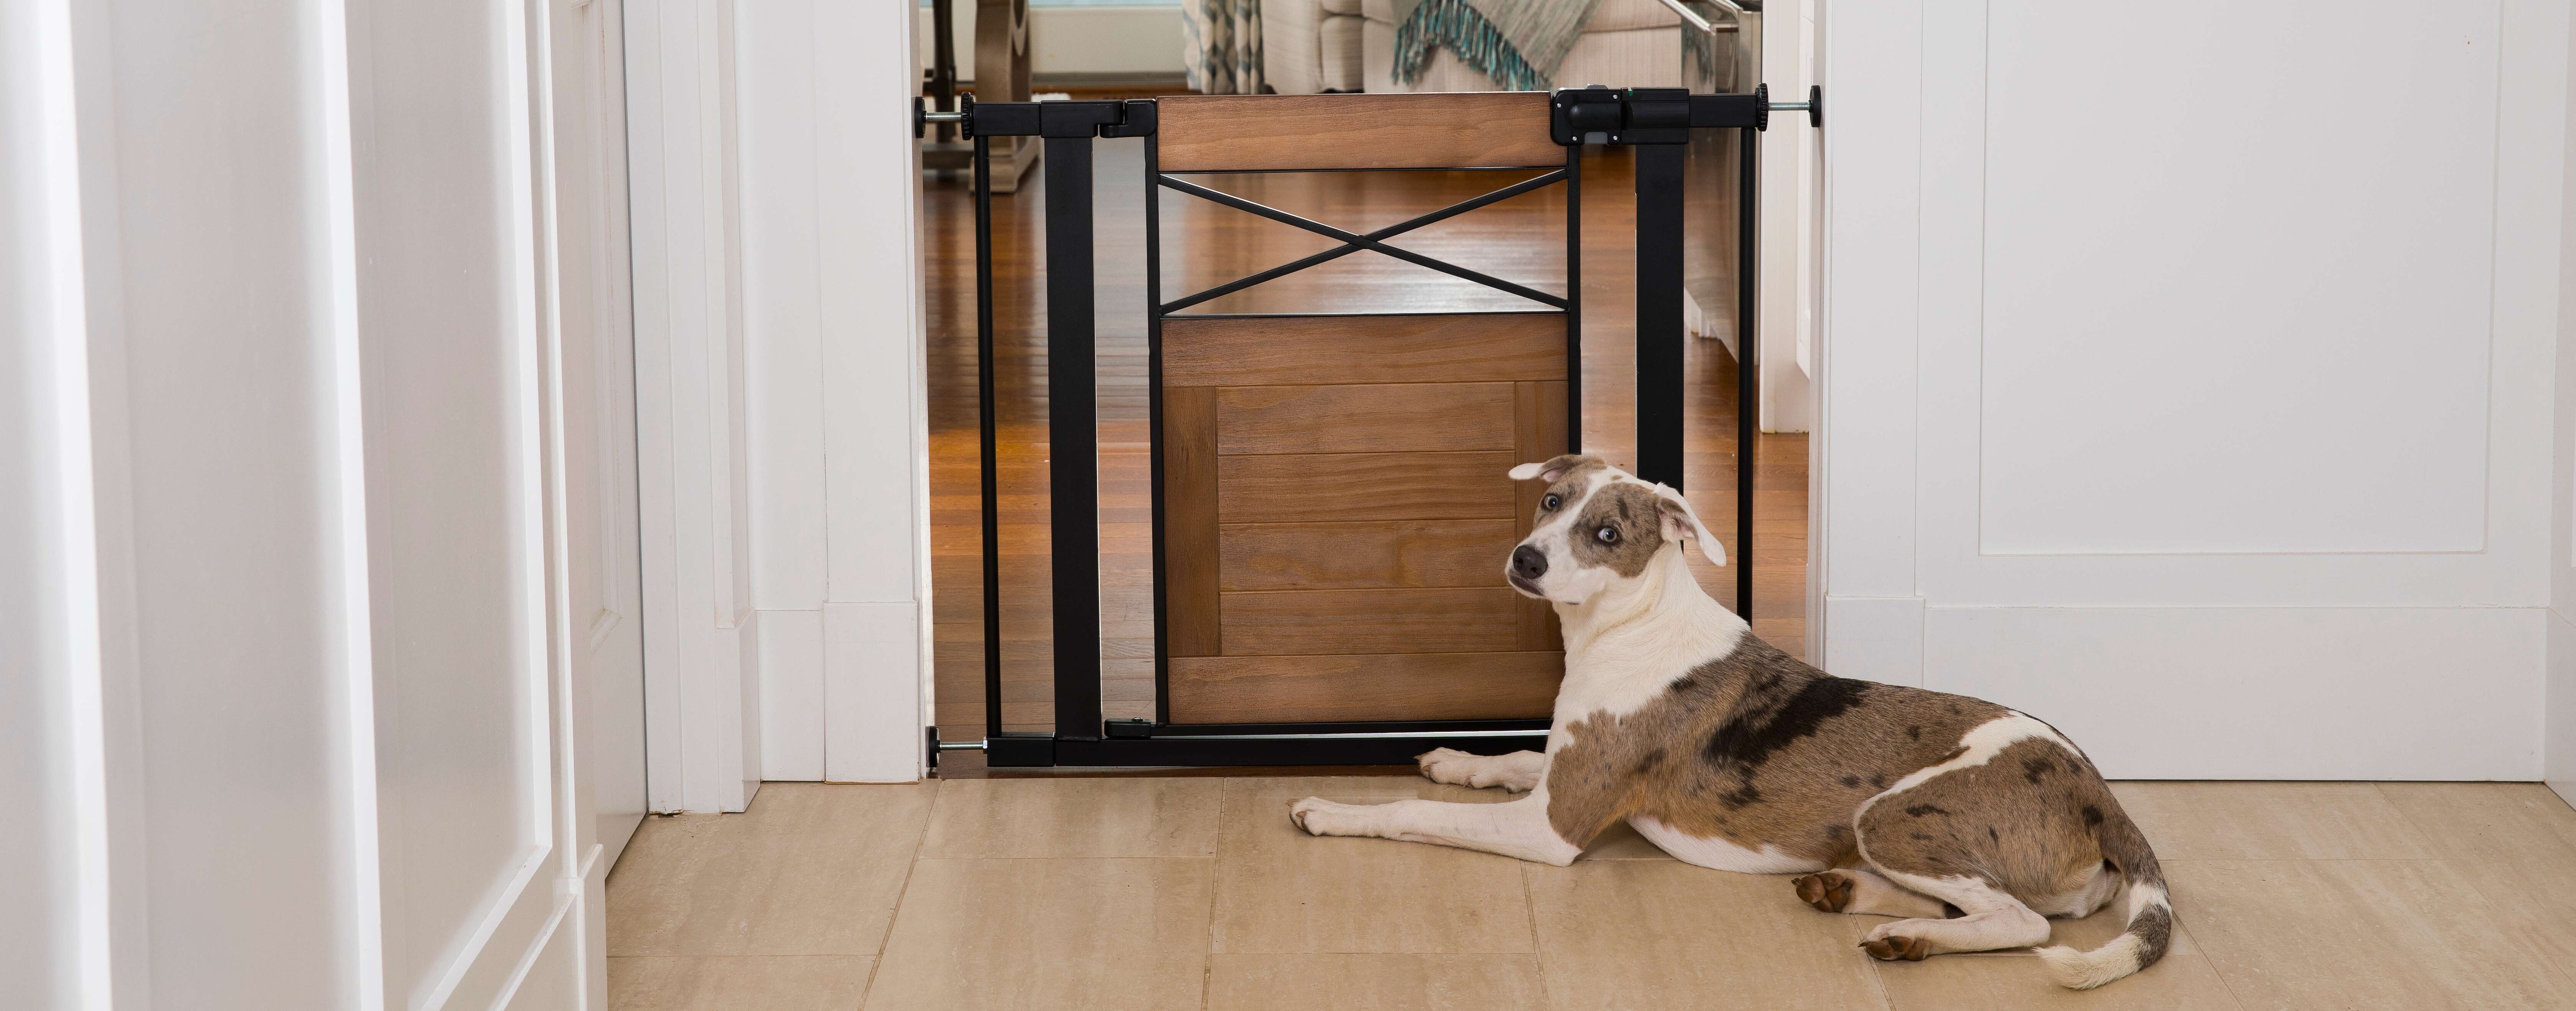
943,62
984,419
1659,313
1154,418
1073,438
1748,358
1574,299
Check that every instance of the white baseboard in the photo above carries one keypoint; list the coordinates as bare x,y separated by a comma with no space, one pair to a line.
2558,728
791,695
872,692
2415,693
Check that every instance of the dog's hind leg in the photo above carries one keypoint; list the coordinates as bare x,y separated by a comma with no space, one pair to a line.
1994,920
1518,828
1517,772
1862,891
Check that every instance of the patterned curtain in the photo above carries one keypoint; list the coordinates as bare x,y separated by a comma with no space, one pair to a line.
1221,46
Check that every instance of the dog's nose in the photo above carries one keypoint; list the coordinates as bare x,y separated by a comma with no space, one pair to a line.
1528,562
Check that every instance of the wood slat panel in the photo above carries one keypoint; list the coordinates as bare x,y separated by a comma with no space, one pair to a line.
1539,417
1386,418
1202,133
1322,488
1218,244
1320,622
1353,556
1418,686
1326,350
1190,521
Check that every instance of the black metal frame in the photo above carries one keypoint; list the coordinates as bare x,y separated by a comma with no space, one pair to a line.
1655,121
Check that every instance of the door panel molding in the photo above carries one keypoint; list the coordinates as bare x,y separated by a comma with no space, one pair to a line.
2129,629
1968,559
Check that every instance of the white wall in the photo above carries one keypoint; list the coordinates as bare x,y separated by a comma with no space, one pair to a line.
54,889
296,728
781,184
1788,213
2219,439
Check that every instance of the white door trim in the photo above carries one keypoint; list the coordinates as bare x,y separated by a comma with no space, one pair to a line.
781,413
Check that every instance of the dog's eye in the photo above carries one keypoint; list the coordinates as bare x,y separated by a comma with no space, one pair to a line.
1550,502
1608,535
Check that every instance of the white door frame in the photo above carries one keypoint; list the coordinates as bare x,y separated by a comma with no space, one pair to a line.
781,407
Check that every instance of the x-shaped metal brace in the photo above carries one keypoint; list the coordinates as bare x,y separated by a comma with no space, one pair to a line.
1353,242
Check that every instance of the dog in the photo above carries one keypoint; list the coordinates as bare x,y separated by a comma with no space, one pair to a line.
1971,822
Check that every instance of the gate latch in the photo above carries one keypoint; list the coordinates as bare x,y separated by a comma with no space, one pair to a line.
1599,115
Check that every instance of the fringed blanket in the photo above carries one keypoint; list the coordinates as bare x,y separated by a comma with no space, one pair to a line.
1518,43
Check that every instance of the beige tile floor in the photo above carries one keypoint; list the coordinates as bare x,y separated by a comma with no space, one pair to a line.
1152,893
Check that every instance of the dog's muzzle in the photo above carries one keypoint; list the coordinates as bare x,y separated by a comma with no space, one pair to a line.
1528,562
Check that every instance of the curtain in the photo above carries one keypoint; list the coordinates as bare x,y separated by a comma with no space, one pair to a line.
1221,46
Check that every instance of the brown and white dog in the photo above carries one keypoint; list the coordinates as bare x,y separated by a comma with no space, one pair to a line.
1973,822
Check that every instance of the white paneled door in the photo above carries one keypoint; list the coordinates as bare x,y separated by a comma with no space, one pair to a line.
322,672
500,490
2188,374
595,288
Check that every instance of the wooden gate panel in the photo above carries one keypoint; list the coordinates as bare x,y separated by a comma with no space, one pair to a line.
1328,622
1335,350
1401,686
1339,486
1307,487
1190,566
1215,133
1386,418
1347,556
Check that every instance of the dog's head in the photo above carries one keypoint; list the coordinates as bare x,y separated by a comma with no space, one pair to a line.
1598,526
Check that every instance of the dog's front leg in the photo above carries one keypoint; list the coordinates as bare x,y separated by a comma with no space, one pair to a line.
1517,772
1518,828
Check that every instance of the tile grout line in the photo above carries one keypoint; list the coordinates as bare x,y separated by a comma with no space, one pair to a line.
877,967
1538,948
2202,950
1216,873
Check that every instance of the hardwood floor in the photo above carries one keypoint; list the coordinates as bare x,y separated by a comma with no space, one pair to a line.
1186,892
1520,239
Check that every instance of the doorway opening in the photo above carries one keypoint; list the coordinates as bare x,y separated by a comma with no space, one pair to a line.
1204,244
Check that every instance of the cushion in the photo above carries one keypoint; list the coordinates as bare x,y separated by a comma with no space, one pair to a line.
1620,15
1341,52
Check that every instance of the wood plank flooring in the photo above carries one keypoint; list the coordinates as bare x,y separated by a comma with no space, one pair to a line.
1186,893
1520,239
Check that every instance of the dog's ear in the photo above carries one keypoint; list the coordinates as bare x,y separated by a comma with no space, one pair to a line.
1556,468
1681,524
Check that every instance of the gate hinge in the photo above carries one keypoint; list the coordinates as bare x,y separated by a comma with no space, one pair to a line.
1599,115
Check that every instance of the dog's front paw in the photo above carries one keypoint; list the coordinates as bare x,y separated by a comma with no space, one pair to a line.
1323,817
1450,765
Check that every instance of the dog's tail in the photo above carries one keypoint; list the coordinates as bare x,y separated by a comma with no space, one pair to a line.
2150,913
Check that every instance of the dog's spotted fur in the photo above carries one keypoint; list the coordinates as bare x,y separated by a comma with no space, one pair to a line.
1971,819
1756,747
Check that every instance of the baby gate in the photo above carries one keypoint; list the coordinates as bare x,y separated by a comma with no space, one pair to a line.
1325,486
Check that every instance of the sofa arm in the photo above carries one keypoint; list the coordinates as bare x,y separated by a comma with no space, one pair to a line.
1292,51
